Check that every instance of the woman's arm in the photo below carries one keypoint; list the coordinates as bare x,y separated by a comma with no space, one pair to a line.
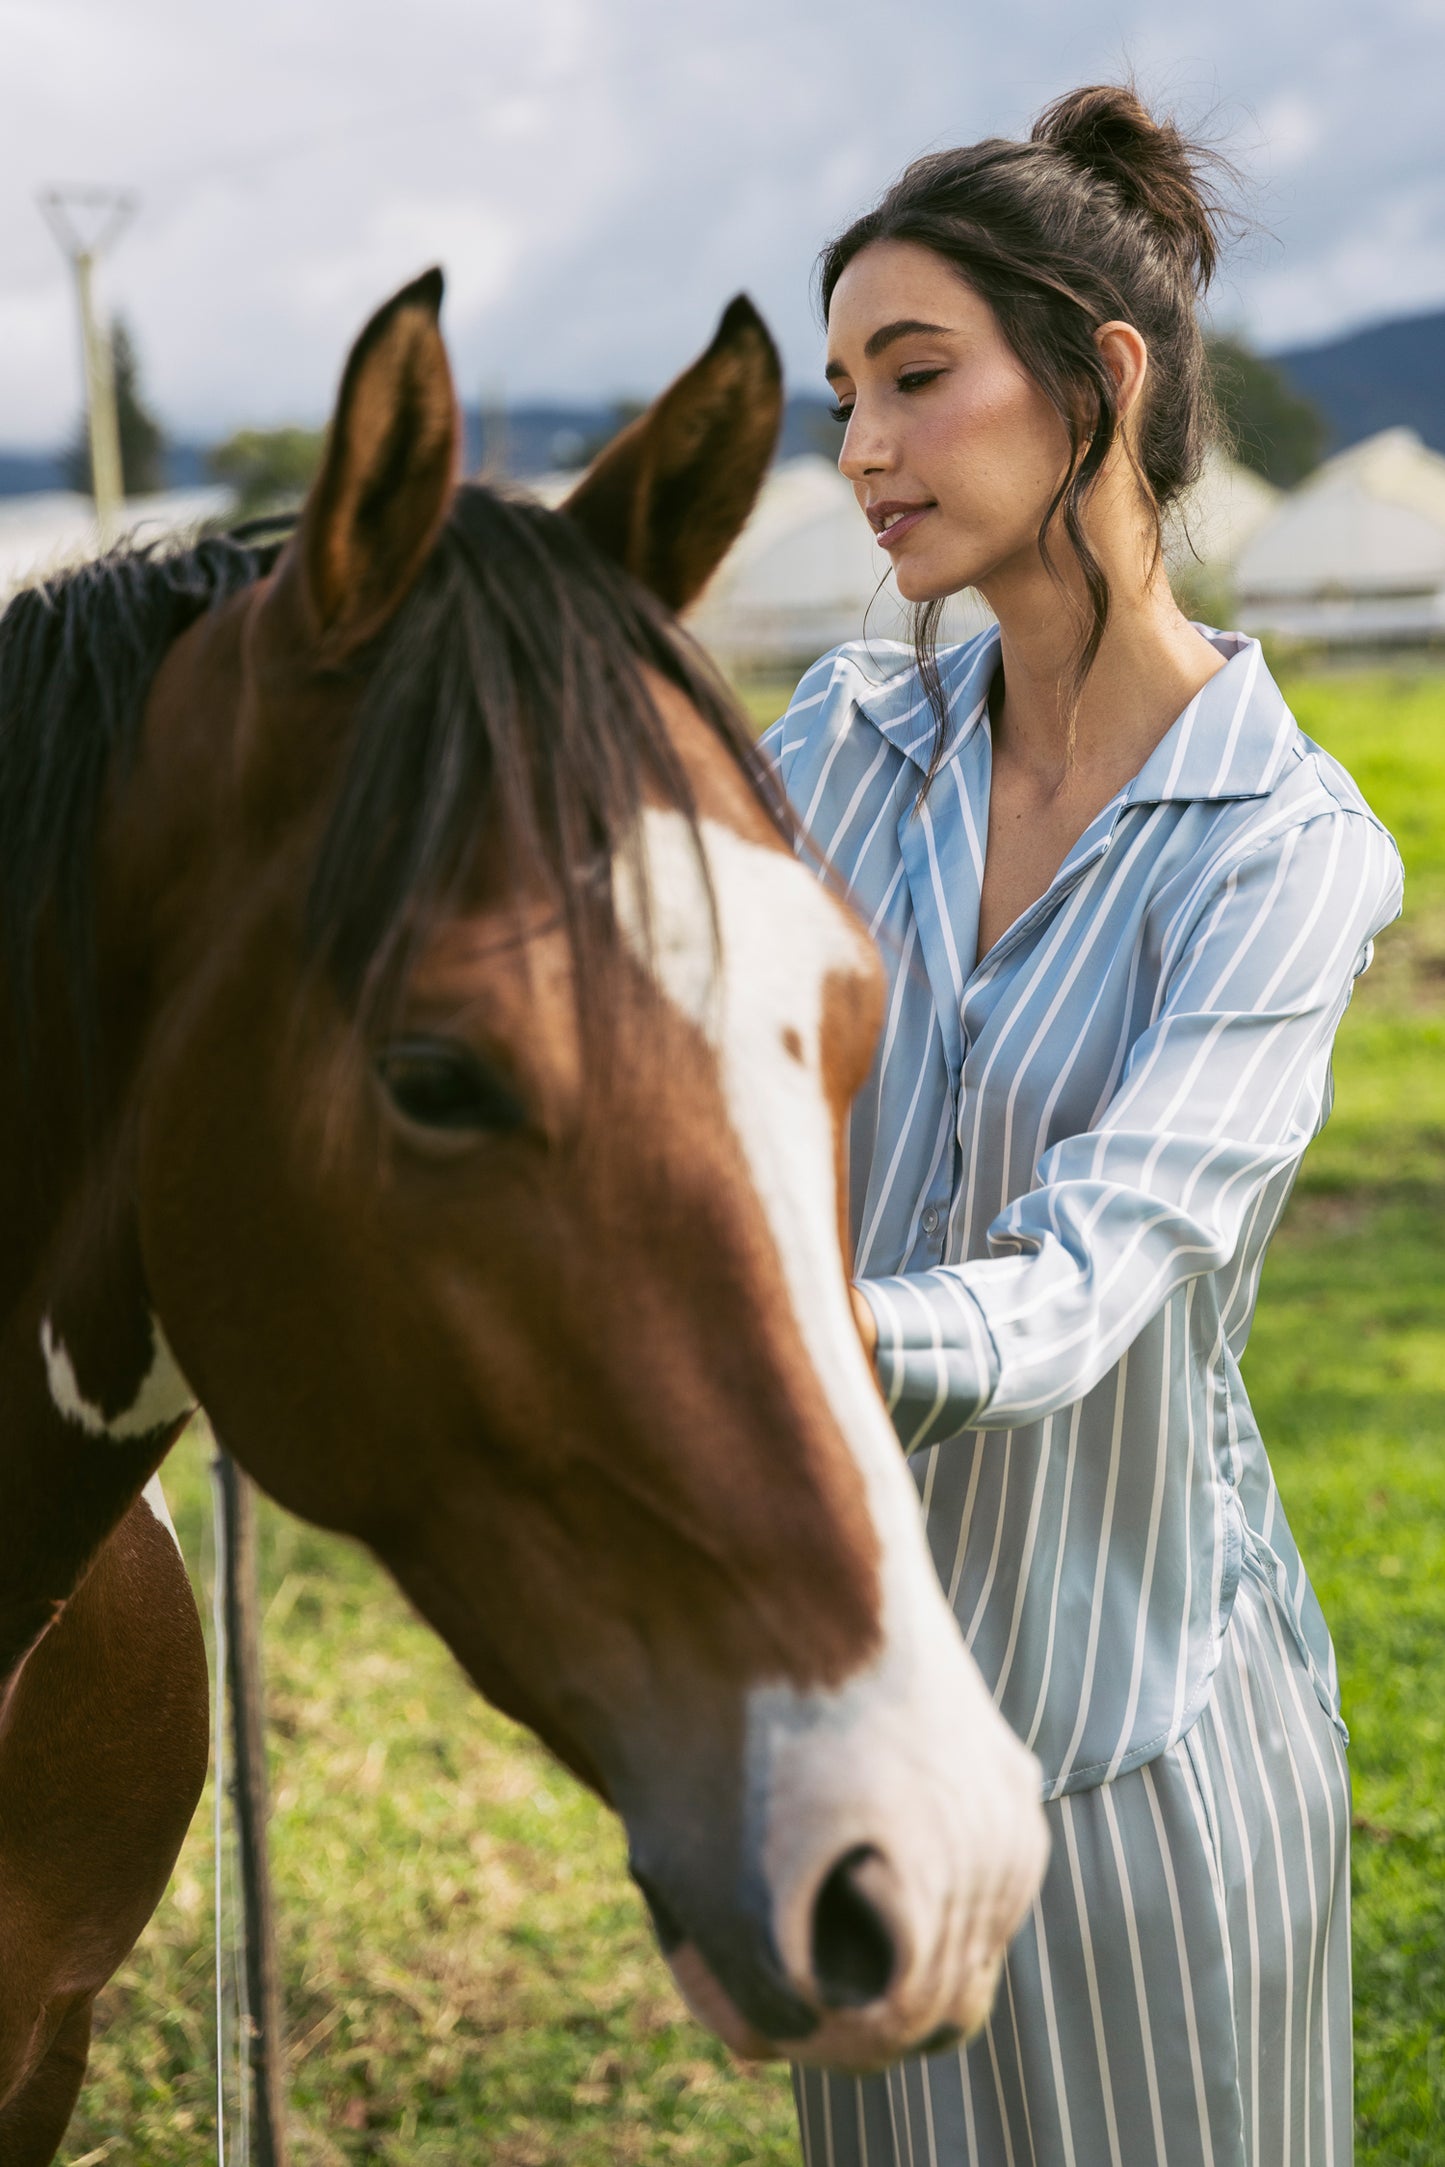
866,1321
1217,1102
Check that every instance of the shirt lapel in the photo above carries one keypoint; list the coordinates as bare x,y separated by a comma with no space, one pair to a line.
942,841
1231,741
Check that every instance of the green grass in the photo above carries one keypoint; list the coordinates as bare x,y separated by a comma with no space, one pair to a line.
1347,1369
468,1972
468,1975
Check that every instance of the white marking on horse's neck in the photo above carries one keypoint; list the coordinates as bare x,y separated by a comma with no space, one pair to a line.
162,1395
155,1497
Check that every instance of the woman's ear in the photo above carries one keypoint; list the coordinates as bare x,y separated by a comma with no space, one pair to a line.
1126,357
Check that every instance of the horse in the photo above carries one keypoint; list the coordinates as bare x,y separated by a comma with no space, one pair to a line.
430,1053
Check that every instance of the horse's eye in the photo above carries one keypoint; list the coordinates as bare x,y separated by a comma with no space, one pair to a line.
440,1084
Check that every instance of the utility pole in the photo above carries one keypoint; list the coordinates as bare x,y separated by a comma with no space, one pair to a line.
87,222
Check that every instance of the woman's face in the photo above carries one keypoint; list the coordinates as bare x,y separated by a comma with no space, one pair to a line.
953,451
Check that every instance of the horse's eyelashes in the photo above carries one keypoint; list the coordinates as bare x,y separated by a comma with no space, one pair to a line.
438,1083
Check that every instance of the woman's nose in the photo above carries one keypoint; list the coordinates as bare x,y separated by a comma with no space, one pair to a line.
865,449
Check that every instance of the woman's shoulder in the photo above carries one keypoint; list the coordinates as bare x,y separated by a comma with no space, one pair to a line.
1240,751
844,678
1312,788
1280,828
864,685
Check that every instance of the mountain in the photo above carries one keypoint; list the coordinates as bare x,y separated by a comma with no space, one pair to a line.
1389,375
538,439
29,473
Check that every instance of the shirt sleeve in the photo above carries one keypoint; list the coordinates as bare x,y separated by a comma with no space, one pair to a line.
1216,1103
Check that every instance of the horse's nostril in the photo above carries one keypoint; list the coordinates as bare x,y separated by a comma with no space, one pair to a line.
853,1951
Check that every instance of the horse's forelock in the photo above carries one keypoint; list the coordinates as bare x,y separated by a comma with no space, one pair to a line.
509,703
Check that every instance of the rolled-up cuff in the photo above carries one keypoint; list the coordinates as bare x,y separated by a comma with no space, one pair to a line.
936,1359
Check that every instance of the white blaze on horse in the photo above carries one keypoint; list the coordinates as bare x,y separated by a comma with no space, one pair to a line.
422,1025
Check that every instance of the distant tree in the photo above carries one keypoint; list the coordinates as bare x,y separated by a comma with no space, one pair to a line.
269,469
142,440
1269,425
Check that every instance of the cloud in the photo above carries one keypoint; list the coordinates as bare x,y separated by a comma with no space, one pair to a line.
1291,129
599,175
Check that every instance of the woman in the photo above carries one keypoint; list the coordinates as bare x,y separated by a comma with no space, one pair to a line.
1123,902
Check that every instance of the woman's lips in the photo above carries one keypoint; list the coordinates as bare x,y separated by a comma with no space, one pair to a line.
902,519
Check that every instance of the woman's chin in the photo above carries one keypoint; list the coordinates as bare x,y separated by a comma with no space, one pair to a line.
919,586
923,579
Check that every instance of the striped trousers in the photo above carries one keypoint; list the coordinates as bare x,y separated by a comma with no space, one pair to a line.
1181,1995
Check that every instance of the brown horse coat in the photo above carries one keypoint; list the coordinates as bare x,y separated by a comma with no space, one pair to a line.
459,1090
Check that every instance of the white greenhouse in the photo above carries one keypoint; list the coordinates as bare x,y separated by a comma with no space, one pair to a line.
1356,553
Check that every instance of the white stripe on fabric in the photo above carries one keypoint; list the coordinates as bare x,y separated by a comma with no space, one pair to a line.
1051,2019
1311,1893
1246,1852
1004,2117
1096,1606
1136,1965
1091,1977
1265,1791
1185,1960
1287,1658
863,2160
1026,1557
1018,2063
1151,1551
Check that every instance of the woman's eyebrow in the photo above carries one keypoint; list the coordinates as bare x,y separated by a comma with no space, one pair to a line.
885,336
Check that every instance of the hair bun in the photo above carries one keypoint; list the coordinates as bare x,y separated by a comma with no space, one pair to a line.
1107,130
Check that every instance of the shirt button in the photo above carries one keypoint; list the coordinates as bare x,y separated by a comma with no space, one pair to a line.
931,1219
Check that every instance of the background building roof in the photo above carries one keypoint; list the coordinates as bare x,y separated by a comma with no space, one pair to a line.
1369,522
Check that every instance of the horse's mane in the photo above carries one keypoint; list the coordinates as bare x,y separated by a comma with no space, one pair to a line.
509,693
507,697
77,655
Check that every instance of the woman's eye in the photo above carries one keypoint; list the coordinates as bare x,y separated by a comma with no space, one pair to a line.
840,414
440,1084
915,379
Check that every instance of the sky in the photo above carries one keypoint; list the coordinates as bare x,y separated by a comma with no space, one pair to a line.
598,176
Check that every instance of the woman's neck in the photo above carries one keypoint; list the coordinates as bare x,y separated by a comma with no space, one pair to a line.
1047,783
1151,662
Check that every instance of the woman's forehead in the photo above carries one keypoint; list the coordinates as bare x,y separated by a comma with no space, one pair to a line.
890,284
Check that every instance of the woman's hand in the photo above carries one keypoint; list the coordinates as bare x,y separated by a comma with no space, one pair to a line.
866,1322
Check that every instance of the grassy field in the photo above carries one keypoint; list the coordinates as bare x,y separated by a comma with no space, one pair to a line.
467,1973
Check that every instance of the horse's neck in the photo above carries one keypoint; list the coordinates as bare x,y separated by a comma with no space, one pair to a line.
89,1402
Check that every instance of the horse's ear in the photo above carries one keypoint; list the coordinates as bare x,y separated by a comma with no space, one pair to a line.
669,495
387,476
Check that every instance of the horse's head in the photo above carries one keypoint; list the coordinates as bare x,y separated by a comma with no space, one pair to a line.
490,1187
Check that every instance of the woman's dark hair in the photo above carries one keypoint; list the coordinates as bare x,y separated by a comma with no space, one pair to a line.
1105,213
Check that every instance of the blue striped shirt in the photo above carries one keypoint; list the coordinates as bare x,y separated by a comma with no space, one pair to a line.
1067,1163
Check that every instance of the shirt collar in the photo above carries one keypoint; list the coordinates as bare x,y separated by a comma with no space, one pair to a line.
1232,741
900,709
